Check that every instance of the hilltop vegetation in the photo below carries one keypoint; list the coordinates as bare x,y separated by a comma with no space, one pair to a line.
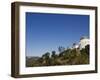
65,57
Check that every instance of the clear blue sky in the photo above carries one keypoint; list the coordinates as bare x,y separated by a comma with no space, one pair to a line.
45,32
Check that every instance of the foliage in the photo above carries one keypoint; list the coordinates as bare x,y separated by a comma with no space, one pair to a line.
65,57
61,49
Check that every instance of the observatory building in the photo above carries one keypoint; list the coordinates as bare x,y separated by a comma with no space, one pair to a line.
82,43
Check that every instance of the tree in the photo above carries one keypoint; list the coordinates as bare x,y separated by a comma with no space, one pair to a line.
61,49
85,55
46,55
61,54
66,53
46,58
87,47
40,61
54,54
73,57
54,58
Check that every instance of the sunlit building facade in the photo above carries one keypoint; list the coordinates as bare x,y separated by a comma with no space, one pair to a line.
82,43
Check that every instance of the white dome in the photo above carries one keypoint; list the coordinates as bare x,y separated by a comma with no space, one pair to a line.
83,42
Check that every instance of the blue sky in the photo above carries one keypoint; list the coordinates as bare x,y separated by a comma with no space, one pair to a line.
45,32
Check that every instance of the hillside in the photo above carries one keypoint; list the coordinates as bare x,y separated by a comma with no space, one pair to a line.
65,57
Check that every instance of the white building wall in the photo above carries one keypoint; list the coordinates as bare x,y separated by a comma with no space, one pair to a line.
83,43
